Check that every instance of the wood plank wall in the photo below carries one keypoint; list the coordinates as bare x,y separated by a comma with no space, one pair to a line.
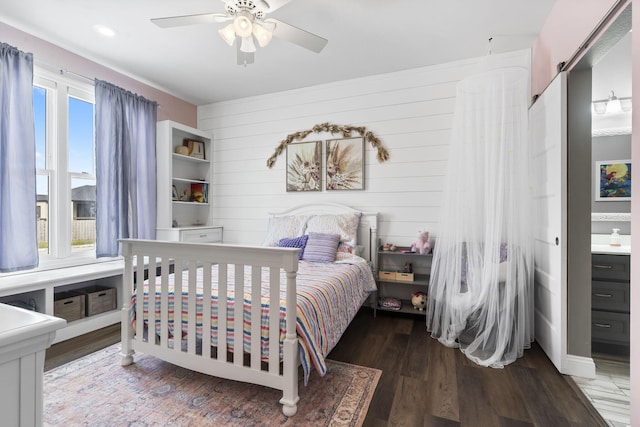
410,111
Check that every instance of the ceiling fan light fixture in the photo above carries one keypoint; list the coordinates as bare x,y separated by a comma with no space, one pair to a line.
247,45
243,26
228,34
262,35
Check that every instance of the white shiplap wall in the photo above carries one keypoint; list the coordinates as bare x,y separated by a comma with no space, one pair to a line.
410,111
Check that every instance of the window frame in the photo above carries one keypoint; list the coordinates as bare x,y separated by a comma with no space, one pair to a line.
59,87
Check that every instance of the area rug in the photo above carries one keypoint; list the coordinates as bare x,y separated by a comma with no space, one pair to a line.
96,391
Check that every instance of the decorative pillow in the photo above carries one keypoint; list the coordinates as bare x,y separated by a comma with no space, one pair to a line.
321,247
281,227
346,225
295,242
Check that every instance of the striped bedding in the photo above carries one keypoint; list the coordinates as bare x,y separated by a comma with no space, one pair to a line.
328,297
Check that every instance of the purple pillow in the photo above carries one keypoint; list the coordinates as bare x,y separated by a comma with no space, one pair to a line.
321,247
294,242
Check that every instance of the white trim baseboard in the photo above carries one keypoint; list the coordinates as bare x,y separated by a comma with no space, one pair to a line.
579,366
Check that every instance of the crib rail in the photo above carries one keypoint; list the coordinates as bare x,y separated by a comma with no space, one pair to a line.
159,259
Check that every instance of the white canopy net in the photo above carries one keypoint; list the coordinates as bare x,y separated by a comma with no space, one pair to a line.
481,286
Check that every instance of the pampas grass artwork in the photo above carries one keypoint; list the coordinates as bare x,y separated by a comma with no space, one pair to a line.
345,164
304,166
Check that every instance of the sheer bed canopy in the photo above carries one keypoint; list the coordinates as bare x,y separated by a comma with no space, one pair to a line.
480,292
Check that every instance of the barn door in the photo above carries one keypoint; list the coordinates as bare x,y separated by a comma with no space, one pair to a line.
548,139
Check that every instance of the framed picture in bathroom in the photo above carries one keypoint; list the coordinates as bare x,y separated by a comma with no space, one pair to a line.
613,180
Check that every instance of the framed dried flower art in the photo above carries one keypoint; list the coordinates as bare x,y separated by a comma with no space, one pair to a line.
304,166
345,164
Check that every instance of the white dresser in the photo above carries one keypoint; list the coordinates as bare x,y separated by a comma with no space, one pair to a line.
24,337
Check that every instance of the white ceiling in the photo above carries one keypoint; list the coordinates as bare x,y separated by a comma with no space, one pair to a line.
366,37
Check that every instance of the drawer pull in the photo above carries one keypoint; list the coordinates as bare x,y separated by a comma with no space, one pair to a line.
603,295
603,267
602,325
202,236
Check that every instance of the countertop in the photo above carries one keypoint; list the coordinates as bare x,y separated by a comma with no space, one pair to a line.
600,245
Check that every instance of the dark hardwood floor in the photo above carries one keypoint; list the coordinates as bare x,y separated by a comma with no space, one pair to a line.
66,351
424,383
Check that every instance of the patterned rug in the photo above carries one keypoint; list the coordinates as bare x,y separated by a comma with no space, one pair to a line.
96,391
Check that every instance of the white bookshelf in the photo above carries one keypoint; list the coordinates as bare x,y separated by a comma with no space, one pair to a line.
179,212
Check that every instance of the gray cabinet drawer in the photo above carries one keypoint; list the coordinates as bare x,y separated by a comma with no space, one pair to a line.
205,235
610,296
610,267
610,327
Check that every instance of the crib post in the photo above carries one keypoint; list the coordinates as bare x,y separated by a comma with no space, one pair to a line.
290,349
126,329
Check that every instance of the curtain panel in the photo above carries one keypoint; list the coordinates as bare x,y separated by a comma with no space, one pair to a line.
125,168
18,228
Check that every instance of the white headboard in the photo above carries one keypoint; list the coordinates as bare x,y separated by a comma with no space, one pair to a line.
367,231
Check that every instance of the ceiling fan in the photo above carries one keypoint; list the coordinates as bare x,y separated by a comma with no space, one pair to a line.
249,23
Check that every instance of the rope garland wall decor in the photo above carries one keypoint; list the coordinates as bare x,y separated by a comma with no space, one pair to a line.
346,131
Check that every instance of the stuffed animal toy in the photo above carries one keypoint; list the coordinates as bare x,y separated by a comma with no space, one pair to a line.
389,247
419,300
422,245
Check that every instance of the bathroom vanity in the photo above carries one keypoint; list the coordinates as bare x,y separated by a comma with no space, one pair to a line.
610,283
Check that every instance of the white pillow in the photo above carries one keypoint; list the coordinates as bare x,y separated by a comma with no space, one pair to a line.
346,225
281,227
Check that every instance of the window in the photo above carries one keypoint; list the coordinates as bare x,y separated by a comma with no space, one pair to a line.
42,175
65,164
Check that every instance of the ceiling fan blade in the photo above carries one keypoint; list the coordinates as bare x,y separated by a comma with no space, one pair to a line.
297,36
271,5
178,21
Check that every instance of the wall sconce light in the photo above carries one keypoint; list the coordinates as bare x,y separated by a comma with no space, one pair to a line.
611,105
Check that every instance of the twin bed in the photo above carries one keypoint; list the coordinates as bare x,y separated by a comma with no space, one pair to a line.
190,295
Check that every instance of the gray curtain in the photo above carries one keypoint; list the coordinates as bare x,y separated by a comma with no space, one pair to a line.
125,168
18,228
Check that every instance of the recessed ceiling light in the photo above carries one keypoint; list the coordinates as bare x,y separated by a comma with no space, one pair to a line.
105,31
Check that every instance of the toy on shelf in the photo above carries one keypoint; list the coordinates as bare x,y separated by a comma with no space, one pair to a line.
408,267
389,247
390,303
419,300
422,245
